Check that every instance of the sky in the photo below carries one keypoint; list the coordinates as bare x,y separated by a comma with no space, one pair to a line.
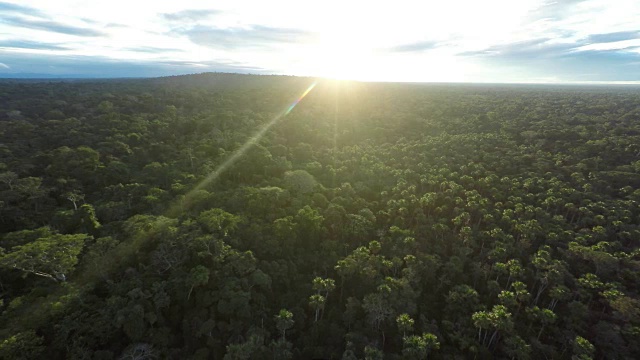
531,41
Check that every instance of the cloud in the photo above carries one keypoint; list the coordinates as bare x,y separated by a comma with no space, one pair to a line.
613,37
152,50
31,18
14,8
25,44
529,49
116,26
4,66
542,48
553,40
47,25
232,66
62,66
555,10
416,47
600,66
544,57
252,37
190,15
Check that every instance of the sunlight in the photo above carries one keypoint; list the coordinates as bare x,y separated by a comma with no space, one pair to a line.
341,63
215,174
351,55
338,57
277,179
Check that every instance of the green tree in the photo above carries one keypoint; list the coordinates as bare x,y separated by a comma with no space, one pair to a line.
284,321
405,324
198,276
317,303
419,347
299,181
23,346
51,257
582,349
517,348
218,221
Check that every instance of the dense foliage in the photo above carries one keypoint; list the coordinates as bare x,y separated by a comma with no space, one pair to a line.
374,220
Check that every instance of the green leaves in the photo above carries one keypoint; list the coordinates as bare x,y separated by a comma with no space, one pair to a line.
198,276
52,257
284,321
582,349
218,221
499,319
432,213
419,347
316,302
405,323
324,286
23,346
299,181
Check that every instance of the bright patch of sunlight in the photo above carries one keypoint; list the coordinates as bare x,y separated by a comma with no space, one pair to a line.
236,155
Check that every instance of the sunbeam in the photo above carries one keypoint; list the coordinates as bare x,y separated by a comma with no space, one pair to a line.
245,147
295,102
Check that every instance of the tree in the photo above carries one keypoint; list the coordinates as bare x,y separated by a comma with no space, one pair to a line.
322,287
317,304
499,319
74,196
582,349
557,294
8,178
218,221
52,257
299,181
372,353
419,347
521,292
284,321
543,316
438,216
462,300
281,349
517,348
23,346
139,351
405,324
244,351
32,190
87,219
377,308
482,321
198,276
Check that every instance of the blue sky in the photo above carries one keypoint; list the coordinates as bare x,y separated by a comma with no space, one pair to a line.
451,41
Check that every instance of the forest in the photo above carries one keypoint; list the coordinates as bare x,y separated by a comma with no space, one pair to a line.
226,216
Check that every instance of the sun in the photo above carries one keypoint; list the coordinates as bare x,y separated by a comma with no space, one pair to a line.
339,57
343,62
350,46
340,64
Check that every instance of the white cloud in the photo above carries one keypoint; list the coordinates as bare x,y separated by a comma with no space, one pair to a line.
617,45
350,38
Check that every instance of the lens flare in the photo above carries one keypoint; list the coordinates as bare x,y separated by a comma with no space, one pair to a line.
245,147
298,100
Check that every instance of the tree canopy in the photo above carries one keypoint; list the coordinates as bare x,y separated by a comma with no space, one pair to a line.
395,221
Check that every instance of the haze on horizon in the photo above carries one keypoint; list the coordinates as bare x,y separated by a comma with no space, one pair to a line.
454,41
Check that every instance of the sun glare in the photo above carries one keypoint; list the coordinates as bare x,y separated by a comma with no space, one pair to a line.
350,55
344,63
354,43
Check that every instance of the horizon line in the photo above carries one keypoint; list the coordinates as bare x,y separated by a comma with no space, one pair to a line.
48,77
